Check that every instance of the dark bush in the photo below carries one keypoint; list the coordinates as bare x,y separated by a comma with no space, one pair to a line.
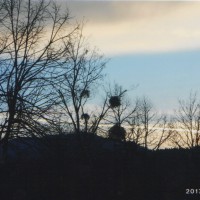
85,94
115,101
117,132
85,116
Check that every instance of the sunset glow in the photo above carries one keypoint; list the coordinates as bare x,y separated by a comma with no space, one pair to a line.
152,45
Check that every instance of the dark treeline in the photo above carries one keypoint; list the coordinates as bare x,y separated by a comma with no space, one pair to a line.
103,169
48,75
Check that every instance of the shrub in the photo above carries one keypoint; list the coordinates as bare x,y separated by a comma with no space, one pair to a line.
85,116
117,132
85,93
115,101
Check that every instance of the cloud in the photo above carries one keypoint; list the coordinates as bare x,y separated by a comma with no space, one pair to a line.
138,27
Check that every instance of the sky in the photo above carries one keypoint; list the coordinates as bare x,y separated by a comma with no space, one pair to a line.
152,45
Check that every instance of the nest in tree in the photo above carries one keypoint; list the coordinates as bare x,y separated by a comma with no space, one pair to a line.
115,101
85,94
117,132
85,116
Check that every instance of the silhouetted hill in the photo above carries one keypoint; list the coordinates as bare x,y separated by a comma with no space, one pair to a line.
70,144
86,166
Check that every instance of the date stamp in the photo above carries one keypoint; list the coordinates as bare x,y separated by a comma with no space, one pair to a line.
192,191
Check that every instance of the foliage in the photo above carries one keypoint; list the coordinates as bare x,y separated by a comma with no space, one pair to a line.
85,93
117,132
115,101
85,117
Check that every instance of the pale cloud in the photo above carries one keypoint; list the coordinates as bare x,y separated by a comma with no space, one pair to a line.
140,27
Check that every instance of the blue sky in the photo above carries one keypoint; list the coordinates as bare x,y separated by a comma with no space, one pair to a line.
155,45
163,77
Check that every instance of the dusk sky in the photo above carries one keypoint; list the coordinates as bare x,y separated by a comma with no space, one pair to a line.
155,45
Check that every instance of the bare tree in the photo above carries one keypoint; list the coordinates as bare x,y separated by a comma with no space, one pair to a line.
135,132
98,116
120,105
119,110
147,128
81,75
33,42
186,126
